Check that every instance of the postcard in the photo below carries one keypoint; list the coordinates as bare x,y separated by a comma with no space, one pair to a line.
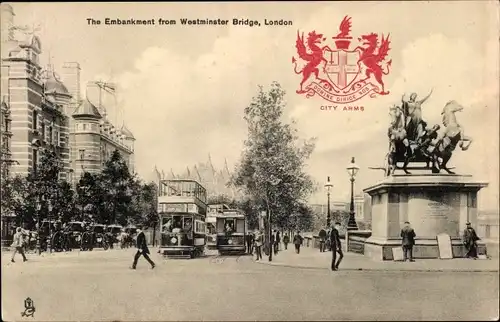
250,161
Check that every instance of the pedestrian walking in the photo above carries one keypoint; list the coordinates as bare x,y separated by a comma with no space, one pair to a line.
249,241
336,247
18,244
142,249
470,241
286,240
297,240
407,242
322,239
276,243
258,245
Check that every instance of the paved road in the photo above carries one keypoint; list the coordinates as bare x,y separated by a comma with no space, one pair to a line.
99,286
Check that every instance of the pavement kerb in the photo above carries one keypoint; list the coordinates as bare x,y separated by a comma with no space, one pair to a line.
430,270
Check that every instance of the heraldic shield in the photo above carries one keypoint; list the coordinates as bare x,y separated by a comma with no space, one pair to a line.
342,67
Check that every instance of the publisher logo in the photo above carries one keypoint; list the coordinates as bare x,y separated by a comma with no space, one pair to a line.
342,75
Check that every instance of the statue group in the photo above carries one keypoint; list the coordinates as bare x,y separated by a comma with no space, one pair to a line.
411,139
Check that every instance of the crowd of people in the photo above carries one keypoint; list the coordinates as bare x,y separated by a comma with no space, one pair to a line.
255,241
329,239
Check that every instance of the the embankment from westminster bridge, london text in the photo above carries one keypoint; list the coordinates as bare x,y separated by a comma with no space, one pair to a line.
245,22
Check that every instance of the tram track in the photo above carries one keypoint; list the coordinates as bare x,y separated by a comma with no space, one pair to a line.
219,259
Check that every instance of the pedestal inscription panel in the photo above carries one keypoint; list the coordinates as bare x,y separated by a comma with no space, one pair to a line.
432,213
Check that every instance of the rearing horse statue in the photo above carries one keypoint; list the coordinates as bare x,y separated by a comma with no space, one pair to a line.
452,136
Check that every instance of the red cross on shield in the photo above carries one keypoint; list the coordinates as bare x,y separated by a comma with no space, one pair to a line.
342,67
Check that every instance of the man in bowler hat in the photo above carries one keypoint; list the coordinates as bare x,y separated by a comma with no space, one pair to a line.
142,249
336,247
408,240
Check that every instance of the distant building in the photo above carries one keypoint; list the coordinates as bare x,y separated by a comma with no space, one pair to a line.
214,180
94,139
359,208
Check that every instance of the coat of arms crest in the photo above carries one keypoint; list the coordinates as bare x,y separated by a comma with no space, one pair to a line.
342,75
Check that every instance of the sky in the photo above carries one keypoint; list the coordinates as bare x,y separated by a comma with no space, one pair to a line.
182,90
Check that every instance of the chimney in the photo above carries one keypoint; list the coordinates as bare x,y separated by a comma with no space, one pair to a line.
71,78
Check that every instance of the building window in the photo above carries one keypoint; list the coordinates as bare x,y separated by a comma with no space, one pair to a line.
50,135
35,120
35,160
43,131
5,123
82,154
85,127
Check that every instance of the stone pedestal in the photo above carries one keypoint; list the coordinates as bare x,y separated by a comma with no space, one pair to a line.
433,204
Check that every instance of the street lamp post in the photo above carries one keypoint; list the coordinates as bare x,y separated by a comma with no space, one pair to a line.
49,217
273,184
38,210
328,186
352,169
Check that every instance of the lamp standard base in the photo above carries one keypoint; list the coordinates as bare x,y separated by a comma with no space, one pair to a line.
351,224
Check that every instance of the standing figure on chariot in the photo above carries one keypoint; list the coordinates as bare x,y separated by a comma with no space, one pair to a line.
414,124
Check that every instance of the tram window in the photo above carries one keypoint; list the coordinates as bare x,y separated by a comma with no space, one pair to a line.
167,227
188,224
229,225
177,222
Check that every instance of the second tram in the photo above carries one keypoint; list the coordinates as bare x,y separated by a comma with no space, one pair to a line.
231,227
182,209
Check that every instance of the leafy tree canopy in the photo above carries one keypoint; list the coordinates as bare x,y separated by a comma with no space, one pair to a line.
271,169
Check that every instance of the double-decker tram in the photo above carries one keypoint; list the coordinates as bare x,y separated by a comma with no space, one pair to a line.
211,222
182,209
231,227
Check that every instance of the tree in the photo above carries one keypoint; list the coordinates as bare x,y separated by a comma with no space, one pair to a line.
43,184
19,199
90,191
302,219
64,203
341,216
271,169
220,199
118,187
144,210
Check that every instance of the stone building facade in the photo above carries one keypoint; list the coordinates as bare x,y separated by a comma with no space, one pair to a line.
44,111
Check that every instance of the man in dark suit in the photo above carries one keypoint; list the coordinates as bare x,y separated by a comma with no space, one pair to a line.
277,240
336,246
408,240
249,240
142,249
470,241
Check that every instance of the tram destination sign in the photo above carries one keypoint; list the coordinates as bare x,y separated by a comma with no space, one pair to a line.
172,207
